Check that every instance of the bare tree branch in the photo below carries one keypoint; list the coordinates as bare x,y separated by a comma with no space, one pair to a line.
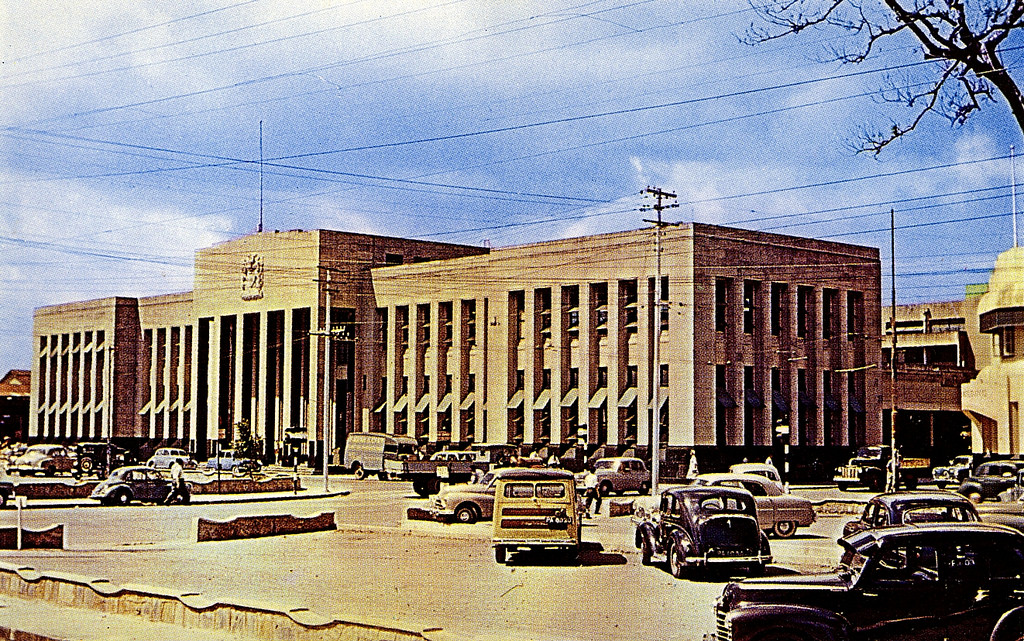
966,34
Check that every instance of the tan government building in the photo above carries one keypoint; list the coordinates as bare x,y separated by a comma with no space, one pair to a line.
549,346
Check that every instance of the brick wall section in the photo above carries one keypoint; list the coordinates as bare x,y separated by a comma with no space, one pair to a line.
250,527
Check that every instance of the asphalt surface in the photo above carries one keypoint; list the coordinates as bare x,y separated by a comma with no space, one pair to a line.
380,568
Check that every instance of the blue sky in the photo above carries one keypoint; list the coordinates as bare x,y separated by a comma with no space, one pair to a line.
130,136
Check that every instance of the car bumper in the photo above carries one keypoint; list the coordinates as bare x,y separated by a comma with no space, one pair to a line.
707,559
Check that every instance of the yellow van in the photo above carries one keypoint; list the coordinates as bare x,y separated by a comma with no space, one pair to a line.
535,508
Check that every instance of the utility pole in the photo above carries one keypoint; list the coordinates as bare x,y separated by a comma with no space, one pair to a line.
110,404
659,306
891,480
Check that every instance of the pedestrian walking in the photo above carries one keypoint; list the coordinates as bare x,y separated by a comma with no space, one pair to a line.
179,489
592,492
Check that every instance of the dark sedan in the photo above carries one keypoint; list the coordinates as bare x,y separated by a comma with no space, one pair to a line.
134,483
906,508
704,526
990,479
924,583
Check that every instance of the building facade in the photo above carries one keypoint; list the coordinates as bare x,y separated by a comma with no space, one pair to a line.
939,347
992,400
248,343
549,346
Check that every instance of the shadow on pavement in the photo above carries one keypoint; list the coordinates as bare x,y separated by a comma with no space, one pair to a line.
591,554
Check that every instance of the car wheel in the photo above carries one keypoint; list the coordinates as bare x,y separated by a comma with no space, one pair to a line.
87,465
3,499
382,475
123,497
500,554
359,471
151,464
572,553
785,529
646,551
676,561
467,513
843,487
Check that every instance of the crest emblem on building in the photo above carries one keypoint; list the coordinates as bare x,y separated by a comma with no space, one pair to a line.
252,277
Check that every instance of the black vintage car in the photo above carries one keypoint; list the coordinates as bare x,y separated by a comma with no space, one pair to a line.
704,526
135,483
990,479
92,458
905,508
912,583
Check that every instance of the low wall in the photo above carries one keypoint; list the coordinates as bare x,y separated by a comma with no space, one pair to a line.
77,490
189,610
51,538
244,485
250,527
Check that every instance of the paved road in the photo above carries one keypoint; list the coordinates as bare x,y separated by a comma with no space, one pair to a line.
380,568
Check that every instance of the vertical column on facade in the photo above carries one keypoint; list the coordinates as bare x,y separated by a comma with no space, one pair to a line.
287,354
459,370
762,380
611,355
265,400
529,355
434,368
154,391
237,377
90,385
392,384
648,372
190,369
792,364
587,345
815,359
320,321
480,364
558,364
842,360
213,375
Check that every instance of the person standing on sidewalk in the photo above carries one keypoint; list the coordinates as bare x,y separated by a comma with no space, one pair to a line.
180,488
592,492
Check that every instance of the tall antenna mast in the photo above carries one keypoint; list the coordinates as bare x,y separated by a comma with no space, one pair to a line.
260,227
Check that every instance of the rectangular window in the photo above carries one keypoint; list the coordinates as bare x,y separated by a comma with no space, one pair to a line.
750,290
571,309
664,375
829,315
631,376
721,304
574,377
393,259
804,321
1009,341
854,315
469,313
628,289
542,301
664,303
780,298
602,377
599,300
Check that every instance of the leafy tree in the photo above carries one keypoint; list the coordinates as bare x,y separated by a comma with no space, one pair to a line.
963,35
247,444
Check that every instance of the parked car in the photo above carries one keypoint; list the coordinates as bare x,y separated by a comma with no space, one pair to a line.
777,512
619,474
44,459
535,509
92,458
226,461
954,473
164,457
766,470
906,508
699,525
468,502
990,479
940,581
134,483
365,452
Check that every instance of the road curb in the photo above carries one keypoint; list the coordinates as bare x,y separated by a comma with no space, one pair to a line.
189,611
